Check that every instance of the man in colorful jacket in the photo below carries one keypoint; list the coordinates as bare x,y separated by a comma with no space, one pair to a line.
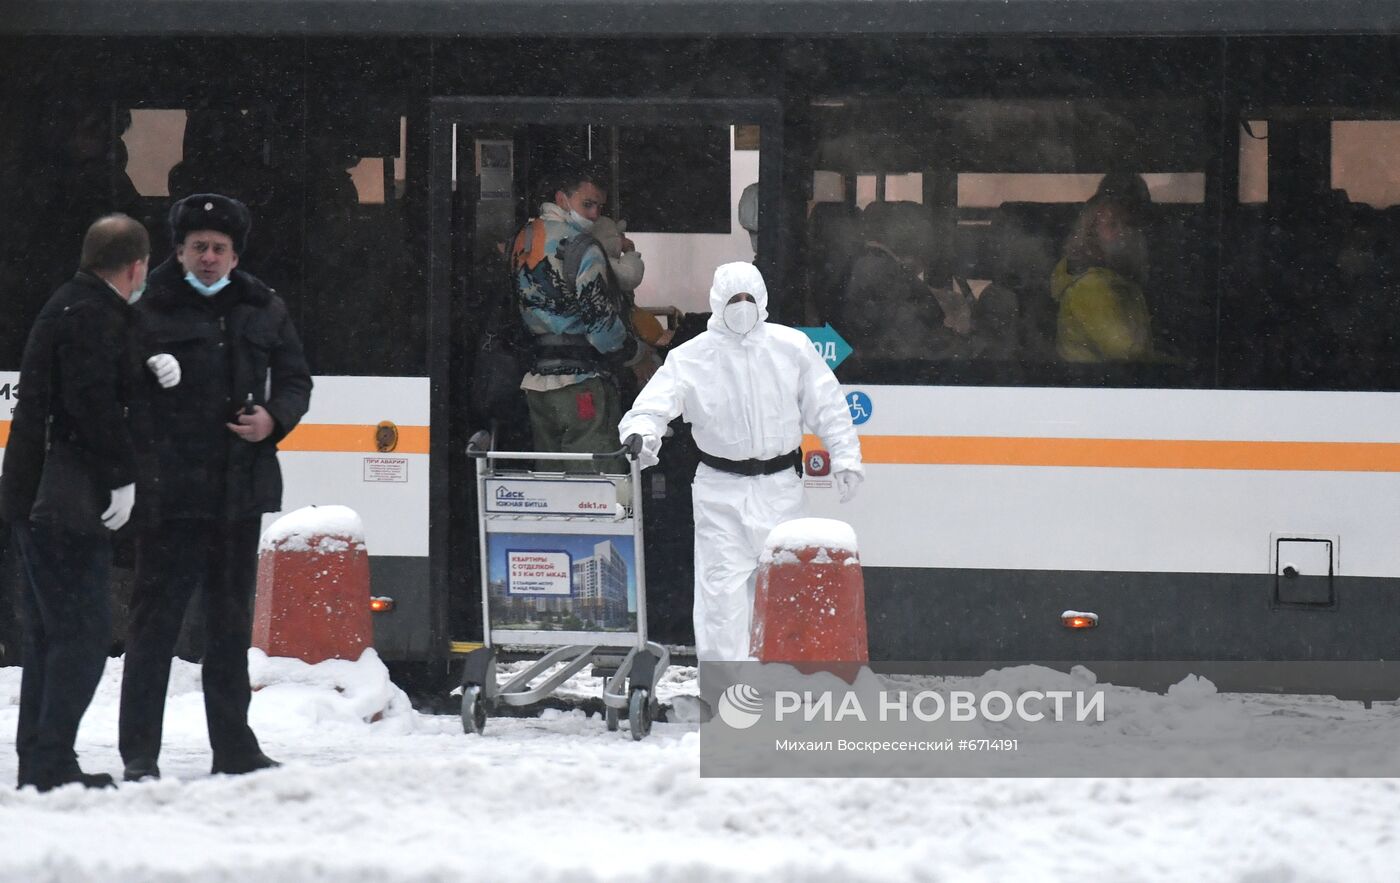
578,318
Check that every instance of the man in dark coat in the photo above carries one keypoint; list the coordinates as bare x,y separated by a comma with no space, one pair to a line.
244,386
68,482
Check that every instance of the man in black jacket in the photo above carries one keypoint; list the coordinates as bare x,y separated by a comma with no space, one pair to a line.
68,482
244,385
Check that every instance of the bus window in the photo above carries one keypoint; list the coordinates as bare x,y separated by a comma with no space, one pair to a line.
64,166
379,179
362,288
1254,162
1313,281
944,234
154,145
1366,161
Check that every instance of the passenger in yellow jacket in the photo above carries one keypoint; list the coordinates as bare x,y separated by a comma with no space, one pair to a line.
1103,315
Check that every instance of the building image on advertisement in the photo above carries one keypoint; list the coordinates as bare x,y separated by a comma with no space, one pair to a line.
600,586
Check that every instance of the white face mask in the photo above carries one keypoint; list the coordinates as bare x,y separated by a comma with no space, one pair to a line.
580,221
741,317
628,269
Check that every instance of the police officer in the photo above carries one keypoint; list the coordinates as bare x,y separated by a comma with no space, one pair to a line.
244,386
69,481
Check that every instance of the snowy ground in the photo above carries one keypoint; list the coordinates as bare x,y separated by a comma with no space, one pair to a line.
408,797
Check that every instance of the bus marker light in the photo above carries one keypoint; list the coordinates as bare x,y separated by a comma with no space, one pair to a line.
1075,619
386,437
381,604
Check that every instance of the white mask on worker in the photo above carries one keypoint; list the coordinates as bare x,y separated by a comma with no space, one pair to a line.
628,269
741,317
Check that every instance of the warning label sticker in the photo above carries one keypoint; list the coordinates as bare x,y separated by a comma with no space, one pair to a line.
386,469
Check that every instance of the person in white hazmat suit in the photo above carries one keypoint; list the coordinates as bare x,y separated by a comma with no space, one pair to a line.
748,388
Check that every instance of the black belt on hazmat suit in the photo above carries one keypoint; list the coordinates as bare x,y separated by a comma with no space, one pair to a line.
791,460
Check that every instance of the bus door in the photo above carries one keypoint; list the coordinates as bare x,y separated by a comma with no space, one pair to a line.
674,171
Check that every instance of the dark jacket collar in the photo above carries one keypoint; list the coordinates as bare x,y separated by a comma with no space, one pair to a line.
168,288
98,286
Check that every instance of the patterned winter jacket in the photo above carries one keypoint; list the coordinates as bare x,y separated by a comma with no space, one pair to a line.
590,314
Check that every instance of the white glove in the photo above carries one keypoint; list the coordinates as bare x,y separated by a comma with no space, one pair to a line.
651,451
166,369
123,498
847,483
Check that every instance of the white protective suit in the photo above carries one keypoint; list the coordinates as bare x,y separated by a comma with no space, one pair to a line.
746,396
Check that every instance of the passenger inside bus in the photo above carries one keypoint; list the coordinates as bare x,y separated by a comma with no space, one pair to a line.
902,300
833,236
73,171
1103,314
627,269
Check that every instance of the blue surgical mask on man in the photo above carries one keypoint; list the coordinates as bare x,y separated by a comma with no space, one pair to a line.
206,290
136,293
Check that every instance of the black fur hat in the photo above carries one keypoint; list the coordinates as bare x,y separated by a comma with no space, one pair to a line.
211,211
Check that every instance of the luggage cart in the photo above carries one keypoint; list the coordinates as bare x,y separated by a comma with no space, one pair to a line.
533,526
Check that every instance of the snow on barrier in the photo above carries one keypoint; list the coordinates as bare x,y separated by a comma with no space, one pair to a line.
313,586
809,601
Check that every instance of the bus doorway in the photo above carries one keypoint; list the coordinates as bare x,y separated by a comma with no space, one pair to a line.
674,173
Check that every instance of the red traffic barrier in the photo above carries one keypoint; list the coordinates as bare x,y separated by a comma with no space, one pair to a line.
809,600
313,599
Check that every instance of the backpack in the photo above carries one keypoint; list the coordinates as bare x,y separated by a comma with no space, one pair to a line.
506,350
503,353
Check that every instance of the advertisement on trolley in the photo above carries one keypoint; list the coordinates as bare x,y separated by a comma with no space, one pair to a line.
559,573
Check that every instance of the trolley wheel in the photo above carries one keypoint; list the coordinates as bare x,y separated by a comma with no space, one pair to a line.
473,710
639,713
611,716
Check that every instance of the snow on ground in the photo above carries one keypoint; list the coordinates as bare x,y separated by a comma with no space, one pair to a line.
372,790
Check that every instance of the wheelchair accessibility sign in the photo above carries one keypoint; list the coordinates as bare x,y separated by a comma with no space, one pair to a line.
861,408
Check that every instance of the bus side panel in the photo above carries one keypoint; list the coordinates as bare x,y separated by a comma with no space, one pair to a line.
334,458
405,632
1173,514
975,614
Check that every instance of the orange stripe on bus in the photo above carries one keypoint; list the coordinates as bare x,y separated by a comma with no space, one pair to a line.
352,438
954,450
1114,453
332,437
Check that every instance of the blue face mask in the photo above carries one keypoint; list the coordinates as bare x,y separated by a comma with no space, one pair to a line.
206,290
136,293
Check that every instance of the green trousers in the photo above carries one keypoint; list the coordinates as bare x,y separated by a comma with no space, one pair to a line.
577,419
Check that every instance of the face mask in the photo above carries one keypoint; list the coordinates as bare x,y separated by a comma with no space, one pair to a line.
580,221
741,317
628,269
206,290
136,293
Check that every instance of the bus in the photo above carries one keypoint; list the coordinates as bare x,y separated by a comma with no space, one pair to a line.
1226,491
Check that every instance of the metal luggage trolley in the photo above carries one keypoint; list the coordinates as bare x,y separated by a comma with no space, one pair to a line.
559,552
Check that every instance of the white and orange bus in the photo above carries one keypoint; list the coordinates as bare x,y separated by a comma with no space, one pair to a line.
1230,494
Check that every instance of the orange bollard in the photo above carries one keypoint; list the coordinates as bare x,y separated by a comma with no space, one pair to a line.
313,586
809,601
